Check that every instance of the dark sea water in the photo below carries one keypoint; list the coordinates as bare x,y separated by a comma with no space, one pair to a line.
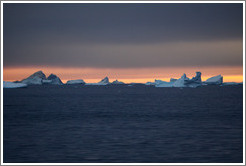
123,124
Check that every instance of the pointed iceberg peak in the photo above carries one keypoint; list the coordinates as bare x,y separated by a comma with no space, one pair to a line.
39,74
53,79
184,76
104,81
51,76
35,78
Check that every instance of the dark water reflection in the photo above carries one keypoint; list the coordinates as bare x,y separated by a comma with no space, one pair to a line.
123,124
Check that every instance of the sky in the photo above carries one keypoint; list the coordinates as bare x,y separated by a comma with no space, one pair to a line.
129,42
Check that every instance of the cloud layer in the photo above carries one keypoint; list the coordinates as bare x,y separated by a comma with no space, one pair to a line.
123,35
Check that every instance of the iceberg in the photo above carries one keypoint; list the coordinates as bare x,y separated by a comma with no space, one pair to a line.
54,80
216,80
79,81
195,81
184,81
46,81
173,79
7,84
181,81
39,78
117,82
35,79
150,83
104,81
162,84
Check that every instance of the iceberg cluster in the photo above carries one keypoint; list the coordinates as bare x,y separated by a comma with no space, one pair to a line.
105,81
184,81
39,78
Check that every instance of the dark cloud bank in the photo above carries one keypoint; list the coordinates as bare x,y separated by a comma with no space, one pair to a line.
123,35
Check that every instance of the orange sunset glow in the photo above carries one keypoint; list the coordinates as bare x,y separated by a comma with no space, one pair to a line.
142,75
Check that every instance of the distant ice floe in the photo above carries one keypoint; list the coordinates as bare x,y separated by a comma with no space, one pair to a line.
231,83
7,84
79,81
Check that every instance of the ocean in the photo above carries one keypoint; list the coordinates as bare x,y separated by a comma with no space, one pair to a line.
123,124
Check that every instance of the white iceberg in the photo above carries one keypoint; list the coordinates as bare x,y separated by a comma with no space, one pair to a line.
195,81
104,81
7,84
54,80
181,82
39,78
35,79
46,81
216,80
162,84
78,81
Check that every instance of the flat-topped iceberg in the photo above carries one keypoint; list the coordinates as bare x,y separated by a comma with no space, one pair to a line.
78,81
7,84
216,80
